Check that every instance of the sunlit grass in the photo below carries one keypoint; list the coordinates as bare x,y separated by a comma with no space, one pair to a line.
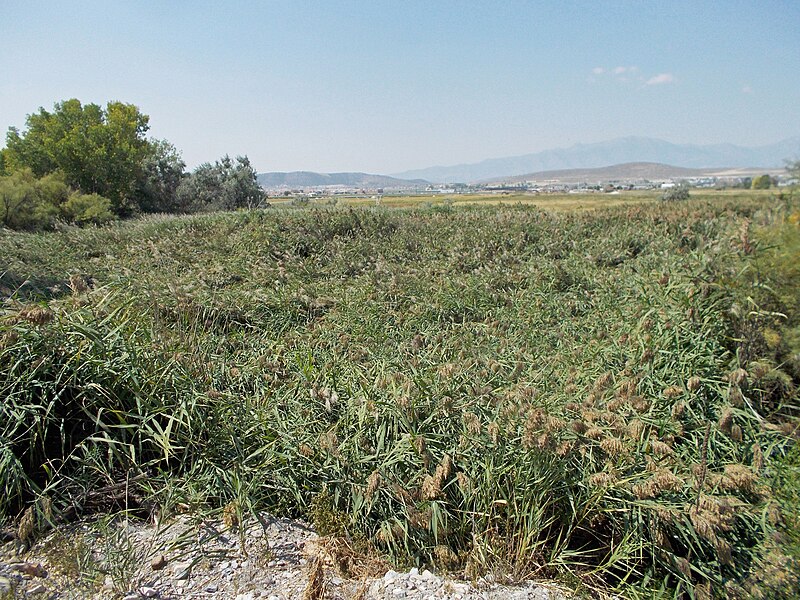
602,396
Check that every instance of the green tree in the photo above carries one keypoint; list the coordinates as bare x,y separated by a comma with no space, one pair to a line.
86,209
225,185
676,193
162,171
100,151
793,167
762,182
27,202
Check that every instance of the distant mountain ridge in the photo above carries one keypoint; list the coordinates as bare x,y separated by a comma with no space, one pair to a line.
628,172
617,151
301,179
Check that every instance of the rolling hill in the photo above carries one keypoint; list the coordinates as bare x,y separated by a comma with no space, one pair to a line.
618,151
303,179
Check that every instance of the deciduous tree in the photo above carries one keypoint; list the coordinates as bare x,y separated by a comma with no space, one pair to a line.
100,151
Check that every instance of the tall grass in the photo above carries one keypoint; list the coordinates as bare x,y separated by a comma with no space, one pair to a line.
586,396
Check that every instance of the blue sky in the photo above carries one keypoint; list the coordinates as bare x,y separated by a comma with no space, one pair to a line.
384,86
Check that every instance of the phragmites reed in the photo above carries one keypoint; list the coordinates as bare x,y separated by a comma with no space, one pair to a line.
635,429
26,525
315,588
329,441
661,481
578,426
432,484
494,431
594,433
37,315
78,284
373,483
612,446
659,448
702,469
758,457
725,420
602,382
678,409
738,477
602,480
472,423
639,404
710,517
738,376
627,389
305,450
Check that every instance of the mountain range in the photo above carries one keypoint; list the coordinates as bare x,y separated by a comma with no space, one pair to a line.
632,171
299,179
620,150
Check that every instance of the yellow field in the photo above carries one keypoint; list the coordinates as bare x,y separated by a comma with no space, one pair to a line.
554,202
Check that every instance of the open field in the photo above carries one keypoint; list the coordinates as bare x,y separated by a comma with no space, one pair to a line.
550,202
519,385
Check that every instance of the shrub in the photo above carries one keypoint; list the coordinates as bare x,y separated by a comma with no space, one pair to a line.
30,203
678,193
87,208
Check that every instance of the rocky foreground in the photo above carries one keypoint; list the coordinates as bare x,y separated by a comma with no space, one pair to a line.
270,558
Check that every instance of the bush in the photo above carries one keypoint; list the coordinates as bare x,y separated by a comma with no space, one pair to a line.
225,185
30,203
87,208
677,193
762,182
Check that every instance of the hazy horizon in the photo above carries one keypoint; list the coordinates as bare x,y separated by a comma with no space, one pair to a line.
384,87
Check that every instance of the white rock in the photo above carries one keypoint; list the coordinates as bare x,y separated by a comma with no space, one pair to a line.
391,576
247,596
399,593
148,592
414,572
37,589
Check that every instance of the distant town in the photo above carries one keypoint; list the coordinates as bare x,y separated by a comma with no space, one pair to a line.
569,182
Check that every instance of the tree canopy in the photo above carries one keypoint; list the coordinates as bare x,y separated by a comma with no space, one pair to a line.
99,151
85,164
225,185
762,182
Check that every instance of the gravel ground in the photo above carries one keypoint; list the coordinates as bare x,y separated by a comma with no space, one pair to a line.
271,558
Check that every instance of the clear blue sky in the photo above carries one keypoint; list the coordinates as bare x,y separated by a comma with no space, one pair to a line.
384,86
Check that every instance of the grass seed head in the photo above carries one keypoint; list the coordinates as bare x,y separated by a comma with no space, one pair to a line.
472,423
693,384
36,315
725,420
494,431
635,429
738,477
613,447
594,433
738,376
758,457
659,448
678,409
602,480
373,483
